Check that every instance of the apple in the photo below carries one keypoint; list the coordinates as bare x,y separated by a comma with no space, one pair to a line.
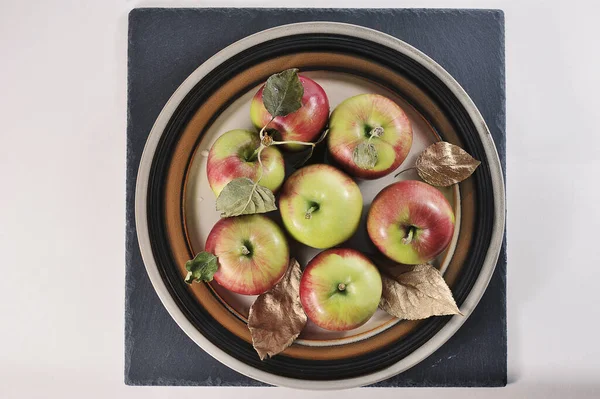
320,206
234,155
303,125
410,222
340,289
252,253
355,120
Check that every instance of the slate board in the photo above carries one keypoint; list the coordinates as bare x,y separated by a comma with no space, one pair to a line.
166,45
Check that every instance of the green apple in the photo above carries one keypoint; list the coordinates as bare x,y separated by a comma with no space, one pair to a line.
373,119
252,252
234,155
340,289
320,206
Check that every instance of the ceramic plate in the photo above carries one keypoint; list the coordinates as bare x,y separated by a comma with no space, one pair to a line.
175,208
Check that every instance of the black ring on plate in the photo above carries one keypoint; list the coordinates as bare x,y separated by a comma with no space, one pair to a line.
402,64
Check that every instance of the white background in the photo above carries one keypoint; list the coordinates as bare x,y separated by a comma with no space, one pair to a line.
62,212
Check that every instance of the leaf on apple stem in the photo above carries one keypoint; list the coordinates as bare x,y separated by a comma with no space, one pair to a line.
242,196
365,155
276,317
418,293
201,268
443,164
283,93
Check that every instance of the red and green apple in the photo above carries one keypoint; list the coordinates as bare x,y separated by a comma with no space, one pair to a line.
252,252
369,119
235,155
305,124
410,222
320,206
340,289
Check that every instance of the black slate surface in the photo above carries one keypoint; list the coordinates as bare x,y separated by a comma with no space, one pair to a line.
166,45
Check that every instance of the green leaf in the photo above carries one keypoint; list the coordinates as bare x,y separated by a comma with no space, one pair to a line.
283,93
242,196
365,155
201,268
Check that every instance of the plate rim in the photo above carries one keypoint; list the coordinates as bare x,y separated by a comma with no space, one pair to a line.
357,31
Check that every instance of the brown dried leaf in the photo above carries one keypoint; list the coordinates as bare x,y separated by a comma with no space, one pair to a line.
443,164
276,317
417,294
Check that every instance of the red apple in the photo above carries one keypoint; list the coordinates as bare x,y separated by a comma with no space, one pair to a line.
411,222
303,125
355,120
252,253
340,289
234,155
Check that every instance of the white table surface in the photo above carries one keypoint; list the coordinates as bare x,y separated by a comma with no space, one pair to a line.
62,205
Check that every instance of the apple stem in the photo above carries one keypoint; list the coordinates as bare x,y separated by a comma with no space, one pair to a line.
254,155
261,134
405,170
308,214
258,154
292,142
409,236
260,175
341,287
375,132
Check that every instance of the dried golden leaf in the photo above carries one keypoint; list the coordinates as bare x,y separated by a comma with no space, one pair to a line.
416,294
443,164
276,317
